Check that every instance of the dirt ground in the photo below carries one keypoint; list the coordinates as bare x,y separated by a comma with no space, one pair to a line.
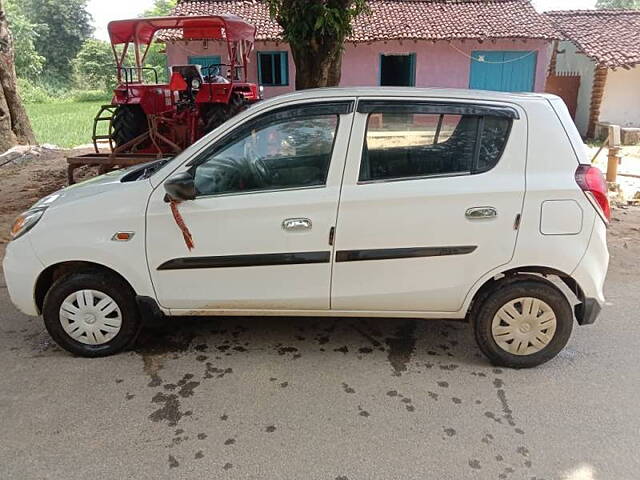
23,185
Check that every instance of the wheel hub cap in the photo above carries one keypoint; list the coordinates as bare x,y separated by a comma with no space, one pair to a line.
524,326
90,317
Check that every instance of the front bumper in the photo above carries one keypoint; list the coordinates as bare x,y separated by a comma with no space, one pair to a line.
21,270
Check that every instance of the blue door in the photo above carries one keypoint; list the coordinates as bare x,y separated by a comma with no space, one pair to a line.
506,71
206,61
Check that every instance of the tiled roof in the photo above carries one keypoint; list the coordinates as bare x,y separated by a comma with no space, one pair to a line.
610,37
405,19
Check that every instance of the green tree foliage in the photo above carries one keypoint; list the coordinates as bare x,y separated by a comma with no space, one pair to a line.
316,31
160,8
94,65
618,4
68,26
156,58
28,61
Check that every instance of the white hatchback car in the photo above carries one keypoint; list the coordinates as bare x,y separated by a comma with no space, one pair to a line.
382,202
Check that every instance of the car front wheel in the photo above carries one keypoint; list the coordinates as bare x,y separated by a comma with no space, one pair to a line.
91,314
523,323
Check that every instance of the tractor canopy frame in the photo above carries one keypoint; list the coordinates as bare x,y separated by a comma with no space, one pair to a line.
148,121
239,35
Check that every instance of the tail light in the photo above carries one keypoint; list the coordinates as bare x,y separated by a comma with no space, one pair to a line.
592,183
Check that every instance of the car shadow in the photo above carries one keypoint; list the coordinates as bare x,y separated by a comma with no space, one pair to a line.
403,341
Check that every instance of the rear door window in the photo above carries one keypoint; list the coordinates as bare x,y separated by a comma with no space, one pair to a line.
404,142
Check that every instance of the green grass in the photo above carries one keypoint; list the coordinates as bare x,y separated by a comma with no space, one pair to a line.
64,124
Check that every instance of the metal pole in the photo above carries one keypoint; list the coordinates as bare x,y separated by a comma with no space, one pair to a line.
613,158
612,164
136,45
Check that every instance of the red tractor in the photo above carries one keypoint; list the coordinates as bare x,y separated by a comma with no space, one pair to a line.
151,120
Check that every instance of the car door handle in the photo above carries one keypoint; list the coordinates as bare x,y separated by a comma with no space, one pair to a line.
296,224
477,213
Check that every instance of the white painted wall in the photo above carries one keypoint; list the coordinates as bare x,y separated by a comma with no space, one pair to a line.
621,101
571,61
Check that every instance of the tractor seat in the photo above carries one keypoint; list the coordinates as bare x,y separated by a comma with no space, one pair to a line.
189,73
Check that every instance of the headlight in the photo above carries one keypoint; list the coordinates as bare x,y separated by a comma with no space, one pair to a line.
26,221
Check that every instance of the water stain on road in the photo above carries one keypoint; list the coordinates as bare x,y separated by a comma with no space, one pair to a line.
170,411
152,365
401,347
154,344
173,463
219,351
185,386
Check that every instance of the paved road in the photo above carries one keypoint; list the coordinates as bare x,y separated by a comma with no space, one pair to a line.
323,399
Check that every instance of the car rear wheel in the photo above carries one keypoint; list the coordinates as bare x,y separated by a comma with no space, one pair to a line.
523,323
91,314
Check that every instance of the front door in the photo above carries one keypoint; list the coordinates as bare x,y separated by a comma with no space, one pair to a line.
428,205
267,200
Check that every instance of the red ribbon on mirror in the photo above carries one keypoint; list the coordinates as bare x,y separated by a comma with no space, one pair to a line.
188,239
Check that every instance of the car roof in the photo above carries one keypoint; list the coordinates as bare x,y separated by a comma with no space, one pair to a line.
413,92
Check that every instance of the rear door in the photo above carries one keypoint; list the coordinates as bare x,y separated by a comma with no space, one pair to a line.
430,196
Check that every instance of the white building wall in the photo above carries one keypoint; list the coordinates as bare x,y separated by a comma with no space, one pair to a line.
571,61
621,100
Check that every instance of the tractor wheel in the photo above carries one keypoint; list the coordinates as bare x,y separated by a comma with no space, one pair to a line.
236,104
216,114
129,122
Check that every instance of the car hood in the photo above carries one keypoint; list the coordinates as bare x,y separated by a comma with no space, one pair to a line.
96,185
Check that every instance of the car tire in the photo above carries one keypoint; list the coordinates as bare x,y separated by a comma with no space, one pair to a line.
92,314
522,323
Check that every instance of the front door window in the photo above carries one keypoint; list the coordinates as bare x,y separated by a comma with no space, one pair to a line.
270,155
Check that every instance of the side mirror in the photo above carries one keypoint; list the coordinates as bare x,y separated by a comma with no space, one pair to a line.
181,186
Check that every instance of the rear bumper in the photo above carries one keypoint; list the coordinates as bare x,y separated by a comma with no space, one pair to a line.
590,275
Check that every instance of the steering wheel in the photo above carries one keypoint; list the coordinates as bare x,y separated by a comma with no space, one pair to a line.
260,171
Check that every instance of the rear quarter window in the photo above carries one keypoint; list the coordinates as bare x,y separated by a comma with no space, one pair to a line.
493,138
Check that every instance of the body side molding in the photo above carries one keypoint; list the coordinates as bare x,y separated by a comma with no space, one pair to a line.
396,253
253,260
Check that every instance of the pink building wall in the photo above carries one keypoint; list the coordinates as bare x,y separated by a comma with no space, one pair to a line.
438,64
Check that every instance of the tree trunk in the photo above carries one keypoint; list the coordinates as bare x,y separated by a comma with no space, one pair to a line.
317,65
14,123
